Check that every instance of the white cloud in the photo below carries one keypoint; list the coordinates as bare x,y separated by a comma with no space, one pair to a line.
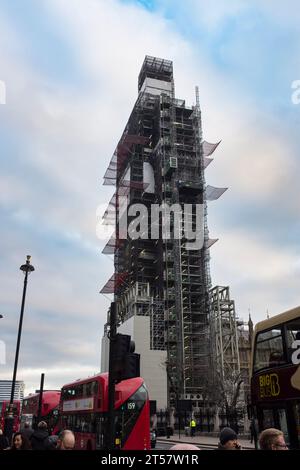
212,15
262,276
254,260
55,377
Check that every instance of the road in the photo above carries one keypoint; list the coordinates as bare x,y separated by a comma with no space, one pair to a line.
165,445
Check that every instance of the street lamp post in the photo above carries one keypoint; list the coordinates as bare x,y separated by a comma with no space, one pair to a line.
9,420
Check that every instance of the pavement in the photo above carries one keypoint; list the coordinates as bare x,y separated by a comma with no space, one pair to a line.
201,440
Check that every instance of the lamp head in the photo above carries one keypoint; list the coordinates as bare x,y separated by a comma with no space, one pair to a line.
27,267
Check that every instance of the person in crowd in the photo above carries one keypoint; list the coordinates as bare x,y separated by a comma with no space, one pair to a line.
168,431
3,441
66,440
27,430
184,447
40,437
253,432
272,439
192,427
20,442
52,440
228,440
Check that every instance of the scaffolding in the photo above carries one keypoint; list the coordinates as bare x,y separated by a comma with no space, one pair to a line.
162,278
224,328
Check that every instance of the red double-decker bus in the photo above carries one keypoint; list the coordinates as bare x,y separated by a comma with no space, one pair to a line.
84,405
16,412
49,409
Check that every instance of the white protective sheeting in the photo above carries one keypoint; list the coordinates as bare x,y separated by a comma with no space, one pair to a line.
213,193
209,148
149,182
211,242
156,87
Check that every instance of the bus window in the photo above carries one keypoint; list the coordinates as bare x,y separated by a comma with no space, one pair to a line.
275,418
283,424
269,349
297,419
267,419
129,412
292,335
100,430
94,388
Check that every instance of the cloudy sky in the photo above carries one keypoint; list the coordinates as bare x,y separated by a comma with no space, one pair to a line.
70,69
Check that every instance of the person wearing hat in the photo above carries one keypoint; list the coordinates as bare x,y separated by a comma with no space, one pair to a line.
228,440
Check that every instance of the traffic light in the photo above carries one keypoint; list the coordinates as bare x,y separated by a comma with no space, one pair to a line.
131,365
120,345
126,363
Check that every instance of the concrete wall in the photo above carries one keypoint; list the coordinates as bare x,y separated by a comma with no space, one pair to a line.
153,368
104,354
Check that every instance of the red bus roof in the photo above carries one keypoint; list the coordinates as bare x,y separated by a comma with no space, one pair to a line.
50,401
103,378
